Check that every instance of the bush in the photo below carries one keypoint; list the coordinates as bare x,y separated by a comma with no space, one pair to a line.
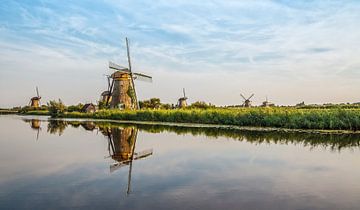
56,109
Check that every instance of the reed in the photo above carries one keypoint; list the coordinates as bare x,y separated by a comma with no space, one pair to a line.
279,117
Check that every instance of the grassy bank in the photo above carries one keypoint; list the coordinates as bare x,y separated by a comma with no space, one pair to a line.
327,119
5,111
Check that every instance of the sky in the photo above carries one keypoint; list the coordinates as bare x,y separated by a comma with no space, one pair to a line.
288,51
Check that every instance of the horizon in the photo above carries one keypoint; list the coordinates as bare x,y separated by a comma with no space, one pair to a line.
287,51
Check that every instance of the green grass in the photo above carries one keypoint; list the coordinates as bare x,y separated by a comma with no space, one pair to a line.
36,112
324,119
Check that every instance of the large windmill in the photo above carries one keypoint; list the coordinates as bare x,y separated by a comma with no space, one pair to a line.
35,101
122,88
247,102
182,101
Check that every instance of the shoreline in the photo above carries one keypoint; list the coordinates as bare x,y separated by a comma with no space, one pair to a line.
202,125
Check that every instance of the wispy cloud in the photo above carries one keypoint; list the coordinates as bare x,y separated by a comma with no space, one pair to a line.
305,42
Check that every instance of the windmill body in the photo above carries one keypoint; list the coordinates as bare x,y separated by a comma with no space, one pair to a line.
182,101
35,101
122,93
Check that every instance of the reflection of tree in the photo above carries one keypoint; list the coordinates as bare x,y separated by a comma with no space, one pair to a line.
332,141
57,126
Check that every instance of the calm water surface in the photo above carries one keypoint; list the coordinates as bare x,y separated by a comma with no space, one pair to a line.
98,165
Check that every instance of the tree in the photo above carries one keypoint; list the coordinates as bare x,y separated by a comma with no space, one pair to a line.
56,108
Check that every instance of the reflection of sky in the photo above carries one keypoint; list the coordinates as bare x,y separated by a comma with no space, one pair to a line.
185,172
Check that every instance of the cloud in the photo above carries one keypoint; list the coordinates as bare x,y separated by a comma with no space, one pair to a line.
304,42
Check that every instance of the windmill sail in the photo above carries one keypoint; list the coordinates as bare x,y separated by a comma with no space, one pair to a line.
142,77
118,67
243,96
37,92
137,156
250,96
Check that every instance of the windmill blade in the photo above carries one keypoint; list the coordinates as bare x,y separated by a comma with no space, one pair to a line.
37,92
108,80
117,67
110,92
142,77
242,96
128,53
116,166
184,92
131,74
142,154
37,134
250,96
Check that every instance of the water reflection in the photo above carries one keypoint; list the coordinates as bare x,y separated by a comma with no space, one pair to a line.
35,124
121,142
121,147
123,131
239,170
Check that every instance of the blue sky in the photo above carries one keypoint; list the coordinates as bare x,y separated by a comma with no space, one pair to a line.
290,51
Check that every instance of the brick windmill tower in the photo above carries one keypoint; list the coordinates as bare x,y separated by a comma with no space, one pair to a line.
35,101
122,88
182,101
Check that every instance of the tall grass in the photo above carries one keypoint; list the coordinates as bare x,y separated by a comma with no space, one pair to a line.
330,119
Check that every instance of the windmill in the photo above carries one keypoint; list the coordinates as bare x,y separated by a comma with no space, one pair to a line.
121,148
247,102
267,103
182,101
35,101
106,96
122,88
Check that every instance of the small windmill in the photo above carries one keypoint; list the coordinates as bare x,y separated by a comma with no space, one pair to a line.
122,88
182,101
247,102
35,101
106,95
267,103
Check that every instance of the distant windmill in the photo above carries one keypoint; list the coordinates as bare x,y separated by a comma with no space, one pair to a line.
122,88
247,102
267,103
106,95
182,101
35,101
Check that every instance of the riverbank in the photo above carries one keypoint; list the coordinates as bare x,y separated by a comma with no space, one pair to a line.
287,118
5,112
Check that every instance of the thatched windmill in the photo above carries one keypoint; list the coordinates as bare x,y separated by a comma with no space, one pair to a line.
247,102
35,101
122,88
182,101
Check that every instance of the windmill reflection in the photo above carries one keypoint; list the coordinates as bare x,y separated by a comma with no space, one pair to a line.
121,141
35,124
121,147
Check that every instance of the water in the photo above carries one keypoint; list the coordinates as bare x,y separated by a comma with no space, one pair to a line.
87,165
